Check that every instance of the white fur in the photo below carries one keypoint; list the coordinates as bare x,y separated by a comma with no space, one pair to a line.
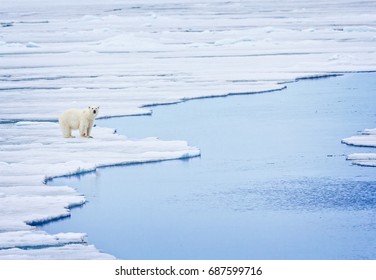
81,119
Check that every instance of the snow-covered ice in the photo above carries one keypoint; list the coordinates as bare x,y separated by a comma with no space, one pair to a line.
366,139
33,152
126,56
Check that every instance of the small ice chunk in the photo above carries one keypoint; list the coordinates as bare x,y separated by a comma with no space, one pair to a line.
32,45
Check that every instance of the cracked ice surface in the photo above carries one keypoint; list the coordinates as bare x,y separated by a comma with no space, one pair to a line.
125,55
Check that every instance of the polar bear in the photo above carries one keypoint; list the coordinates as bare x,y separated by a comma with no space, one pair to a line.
81,119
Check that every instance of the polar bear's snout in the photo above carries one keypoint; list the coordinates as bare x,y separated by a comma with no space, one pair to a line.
94,110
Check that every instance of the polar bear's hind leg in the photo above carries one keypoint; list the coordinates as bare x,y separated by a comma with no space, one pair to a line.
67,133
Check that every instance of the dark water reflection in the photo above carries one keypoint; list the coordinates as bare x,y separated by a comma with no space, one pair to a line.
272,182
306,194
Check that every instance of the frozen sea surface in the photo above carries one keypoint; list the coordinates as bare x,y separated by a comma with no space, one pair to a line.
272,181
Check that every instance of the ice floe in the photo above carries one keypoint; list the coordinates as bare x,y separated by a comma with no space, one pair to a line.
128,56
33,152
364,159
66,252
366,139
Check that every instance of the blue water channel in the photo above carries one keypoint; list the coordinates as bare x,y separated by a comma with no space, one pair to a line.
272,182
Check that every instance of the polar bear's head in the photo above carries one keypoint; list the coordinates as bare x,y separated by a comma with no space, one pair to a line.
93,110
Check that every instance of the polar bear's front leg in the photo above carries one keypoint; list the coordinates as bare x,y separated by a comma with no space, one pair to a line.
89,130
83,130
